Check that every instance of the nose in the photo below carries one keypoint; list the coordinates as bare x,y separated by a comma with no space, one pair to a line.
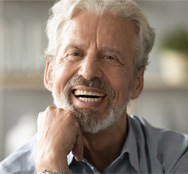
90,68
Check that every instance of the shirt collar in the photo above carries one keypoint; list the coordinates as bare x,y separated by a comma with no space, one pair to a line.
130,147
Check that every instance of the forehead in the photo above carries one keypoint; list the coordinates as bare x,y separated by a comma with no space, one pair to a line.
106,29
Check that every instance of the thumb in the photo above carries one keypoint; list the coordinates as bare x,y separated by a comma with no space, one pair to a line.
78,147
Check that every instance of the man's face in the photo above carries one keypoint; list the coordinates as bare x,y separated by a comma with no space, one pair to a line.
93,72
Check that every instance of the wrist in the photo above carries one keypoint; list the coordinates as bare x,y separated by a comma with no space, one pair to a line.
54,164
55,172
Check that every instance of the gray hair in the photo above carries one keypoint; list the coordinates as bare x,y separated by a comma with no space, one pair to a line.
64,10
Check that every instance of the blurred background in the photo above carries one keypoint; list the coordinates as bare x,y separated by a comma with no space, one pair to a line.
164,101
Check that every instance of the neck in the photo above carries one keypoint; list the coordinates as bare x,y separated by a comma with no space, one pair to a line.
102,148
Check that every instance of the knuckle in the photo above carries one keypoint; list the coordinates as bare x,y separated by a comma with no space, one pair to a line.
50,108
77,127
60,111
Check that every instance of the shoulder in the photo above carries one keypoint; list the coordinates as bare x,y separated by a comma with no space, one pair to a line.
20,161
170,148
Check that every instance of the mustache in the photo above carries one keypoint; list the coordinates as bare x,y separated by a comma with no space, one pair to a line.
95,83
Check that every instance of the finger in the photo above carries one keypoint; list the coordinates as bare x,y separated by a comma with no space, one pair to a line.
78,148
42,115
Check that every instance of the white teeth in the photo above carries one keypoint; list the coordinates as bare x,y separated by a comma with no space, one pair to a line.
82,92
88,96
91,100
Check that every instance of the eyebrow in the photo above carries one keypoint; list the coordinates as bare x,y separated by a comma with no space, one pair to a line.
77,46
83,47
111,50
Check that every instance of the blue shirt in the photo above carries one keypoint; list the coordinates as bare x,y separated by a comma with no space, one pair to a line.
146,150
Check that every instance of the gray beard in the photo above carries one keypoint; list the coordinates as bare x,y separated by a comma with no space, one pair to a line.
93,122
90,121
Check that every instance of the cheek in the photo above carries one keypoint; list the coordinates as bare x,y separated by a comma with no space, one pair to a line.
62,74
121,84
122,94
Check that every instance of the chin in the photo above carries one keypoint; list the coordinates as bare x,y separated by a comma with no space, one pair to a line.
90,121
94,122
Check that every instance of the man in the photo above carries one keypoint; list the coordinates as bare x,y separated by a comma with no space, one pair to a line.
96,58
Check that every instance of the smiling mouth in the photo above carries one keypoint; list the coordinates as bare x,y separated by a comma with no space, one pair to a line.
88,96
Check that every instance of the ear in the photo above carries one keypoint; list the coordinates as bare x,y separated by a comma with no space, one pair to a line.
138,85
48,75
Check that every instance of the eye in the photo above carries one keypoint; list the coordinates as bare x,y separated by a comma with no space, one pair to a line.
108,57
75,54
112,59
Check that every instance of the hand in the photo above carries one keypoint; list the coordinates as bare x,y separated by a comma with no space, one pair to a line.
58,134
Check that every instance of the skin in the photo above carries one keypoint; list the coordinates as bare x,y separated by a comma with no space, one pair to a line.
90,46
